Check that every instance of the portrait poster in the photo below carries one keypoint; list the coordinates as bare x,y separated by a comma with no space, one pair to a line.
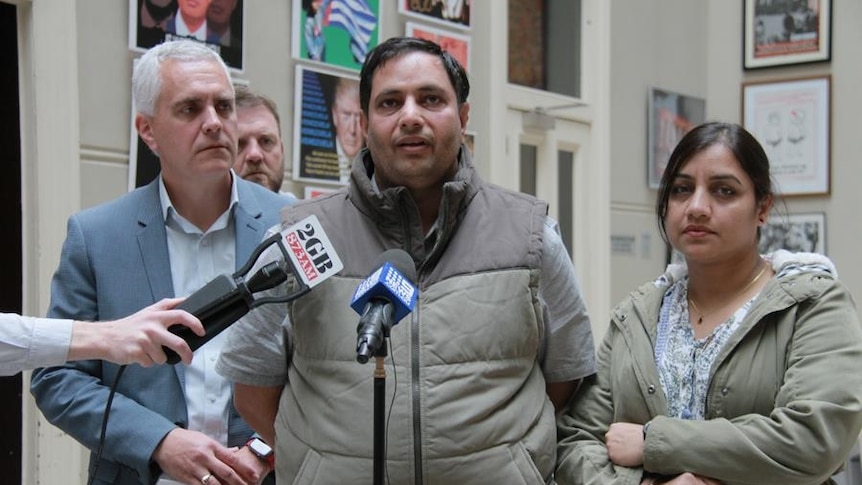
335,32
327,135
671,116
143,163
794,232
456,44
784,32
451,13
217,23
791,120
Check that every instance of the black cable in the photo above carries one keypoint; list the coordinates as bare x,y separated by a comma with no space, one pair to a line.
389,414
105,424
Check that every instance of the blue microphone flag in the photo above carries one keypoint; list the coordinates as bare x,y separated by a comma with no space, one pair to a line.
389,284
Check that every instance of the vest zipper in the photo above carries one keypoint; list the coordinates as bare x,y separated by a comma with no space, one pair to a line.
417,425
414,364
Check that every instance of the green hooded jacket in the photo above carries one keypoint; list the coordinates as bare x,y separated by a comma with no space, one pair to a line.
784,405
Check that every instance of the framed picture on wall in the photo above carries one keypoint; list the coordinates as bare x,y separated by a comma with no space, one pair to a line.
784,32
450,13
794,232
220,25
791,120
456,44
143,163
327,135
670,116
335,32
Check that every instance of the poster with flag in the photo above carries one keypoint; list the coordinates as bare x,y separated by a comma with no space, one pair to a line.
335,32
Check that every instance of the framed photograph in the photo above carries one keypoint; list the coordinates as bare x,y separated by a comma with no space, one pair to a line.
220,25
327,135
671,116
784,32
794,232
335,32
451,13
791,121
144,165
456,44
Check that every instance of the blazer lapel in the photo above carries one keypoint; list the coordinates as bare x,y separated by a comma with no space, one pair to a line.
153,246
249,230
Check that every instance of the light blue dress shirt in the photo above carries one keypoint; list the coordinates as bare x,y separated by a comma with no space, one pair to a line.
196,258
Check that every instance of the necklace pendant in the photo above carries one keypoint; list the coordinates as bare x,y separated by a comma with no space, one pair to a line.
700,320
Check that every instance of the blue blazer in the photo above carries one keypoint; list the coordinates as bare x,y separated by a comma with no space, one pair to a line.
115,262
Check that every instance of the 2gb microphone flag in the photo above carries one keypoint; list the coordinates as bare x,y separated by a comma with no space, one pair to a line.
311,251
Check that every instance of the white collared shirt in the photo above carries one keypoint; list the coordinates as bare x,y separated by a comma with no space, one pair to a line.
28,342
196,258
183,29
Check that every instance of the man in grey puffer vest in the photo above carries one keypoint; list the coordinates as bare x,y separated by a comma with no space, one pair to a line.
498,341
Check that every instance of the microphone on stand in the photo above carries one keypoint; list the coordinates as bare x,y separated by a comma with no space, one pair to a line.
382,300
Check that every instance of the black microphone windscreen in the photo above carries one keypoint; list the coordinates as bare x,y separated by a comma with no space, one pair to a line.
401,260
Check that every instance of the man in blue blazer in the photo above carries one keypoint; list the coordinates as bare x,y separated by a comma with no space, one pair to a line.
167,424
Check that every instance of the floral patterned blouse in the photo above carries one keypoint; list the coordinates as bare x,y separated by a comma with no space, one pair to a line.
684,362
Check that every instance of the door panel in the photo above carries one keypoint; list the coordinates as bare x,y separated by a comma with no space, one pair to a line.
549,163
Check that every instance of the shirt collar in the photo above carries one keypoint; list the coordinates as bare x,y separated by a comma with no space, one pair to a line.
168,205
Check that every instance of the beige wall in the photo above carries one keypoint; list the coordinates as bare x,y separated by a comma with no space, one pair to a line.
695,48
660,43
723,93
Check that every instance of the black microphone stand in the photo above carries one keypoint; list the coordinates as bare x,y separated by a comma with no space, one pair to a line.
371,342
380,411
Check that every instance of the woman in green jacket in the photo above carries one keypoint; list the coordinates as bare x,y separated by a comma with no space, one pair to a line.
735,367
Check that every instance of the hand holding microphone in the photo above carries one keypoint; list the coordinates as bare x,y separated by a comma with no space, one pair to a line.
382,300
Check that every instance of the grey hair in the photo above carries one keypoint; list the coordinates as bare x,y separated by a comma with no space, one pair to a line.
146,78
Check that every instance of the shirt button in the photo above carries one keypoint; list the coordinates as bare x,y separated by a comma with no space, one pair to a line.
724,391
651,389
